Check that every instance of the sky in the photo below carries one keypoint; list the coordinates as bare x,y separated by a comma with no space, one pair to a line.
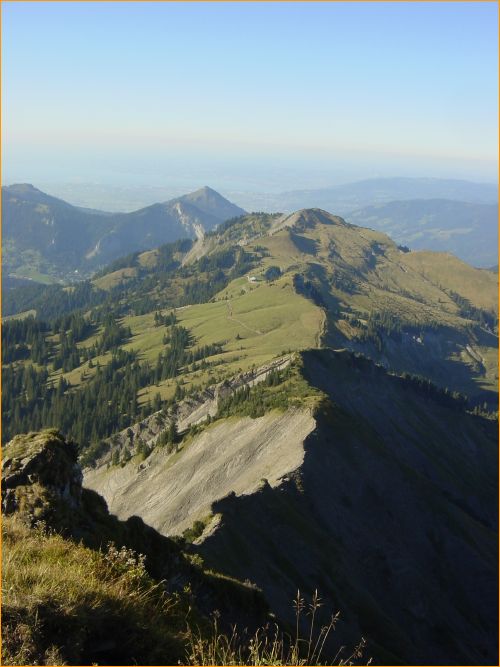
261,96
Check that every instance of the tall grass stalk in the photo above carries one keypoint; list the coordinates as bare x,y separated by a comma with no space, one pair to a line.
269,645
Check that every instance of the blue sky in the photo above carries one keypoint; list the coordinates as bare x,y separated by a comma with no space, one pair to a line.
127,91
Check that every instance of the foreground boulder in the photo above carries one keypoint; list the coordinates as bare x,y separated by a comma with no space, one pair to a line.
41,478
82,587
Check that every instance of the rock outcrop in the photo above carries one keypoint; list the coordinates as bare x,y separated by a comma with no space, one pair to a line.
42,485
71,597
41,477
188,412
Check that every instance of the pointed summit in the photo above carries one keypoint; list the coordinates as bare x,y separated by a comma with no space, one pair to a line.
206,189
209,201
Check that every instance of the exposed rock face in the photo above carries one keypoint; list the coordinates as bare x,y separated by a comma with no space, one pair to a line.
384,499
394,520
171,491
42,482
196,410
190,411
40,476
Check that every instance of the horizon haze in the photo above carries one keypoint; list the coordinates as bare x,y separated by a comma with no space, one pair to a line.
261,97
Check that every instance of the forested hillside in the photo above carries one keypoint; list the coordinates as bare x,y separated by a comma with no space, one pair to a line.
267,369
104,353
48,240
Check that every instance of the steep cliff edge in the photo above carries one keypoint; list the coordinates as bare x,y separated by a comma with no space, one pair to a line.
172,490
393,519
383,497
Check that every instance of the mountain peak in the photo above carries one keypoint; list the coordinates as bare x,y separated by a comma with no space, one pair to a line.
212,202
22,188
29,193
309,218
208,190
203,192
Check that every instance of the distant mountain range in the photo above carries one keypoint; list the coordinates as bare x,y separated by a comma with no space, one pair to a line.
45,237
339,199
342,199
468,230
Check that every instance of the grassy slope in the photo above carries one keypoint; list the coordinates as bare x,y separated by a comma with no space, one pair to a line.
65,603
270,318
412,287
480,287
115,278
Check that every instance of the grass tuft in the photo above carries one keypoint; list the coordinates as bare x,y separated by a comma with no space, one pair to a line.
270,645
66,604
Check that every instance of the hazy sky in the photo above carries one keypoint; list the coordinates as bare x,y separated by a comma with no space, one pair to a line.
256,93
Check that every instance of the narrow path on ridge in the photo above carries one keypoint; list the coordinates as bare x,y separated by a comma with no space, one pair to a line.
230,317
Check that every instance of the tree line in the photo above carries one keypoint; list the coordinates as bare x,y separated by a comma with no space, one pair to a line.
107,401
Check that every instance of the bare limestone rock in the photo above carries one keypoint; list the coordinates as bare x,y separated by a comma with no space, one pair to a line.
41,477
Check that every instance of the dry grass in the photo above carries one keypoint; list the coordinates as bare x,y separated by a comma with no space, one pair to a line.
66,604
270,645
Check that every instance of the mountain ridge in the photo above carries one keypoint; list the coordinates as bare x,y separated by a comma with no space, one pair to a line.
416,310
317,499
46,235
290,379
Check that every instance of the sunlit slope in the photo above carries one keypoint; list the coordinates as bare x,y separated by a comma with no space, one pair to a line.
340,285
368,270
418,312
253,322
362,268
332,284
449,272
